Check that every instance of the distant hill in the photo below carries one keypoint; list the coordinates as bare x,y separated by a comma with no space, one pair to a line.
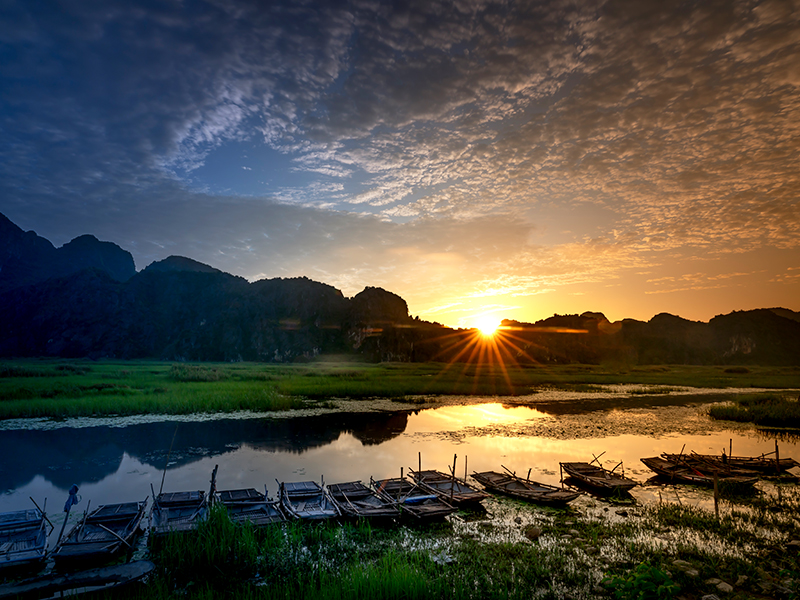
26,258
86,299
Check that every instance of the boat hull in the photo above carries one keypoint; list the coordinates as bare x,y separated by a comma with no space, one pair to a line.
107,532
23,540
598,477
523,489
356,500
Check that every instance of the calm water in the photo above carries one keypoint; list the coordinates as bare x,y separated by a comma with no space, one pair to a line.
119,462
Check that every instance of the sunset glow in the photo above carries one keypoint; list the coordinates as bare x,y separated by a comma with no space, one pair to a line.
460,156
487,325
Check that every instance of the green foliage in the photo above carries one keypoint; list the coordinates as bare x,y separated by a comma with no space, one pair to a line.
645,582
771,410
43,388
222,554
196,373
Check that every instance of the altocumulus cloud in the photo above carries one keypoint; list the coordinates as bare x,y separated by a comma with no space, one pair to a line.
451,147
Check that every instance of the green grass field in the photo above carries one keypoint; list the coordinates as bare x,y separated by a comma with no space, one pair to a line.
58,388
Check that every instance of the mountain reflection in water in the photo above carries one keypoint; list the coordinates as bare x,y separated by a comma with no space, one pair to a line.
116,464
65,456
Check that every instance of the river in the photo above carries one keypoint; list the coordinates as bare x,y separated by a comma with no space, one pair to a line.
117,460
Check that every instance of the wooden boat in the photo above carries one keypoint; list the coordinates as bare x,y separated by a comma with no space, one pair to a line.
57,585
356,500
524,489
597,477
106,532
412,499
762,464
23,539
452,490
177,512
701,463
685,473
307,500
250,505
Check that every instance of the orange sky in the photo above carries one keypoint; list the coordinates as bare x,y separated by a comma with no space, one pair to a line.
523,159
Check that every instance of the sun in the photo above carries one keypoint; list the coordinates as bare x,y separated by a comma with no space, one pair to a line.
487,325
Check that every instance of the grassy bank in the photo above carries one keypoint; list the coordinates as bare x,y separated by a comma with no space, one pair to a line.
38,388
768,410
657,552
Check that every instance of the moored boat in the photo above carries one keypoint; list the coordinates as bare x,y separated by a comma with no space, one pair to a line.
107,532
452,490
356,500
700,463
686,473
177,512
412,499
525,489
60,585
765,464
23,539
598,477
250,505
307,500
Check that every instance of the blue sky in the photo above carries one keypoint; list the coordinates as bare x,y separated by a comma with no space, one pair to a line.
518,158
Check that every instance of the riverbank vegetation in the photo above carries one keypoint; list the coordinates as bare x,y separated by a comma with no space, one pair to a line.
56,388
766,410
659,551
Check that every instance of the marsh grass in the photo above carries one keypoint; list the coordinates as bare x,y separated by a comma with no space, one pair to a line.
575,553
770,410
348,561
42,388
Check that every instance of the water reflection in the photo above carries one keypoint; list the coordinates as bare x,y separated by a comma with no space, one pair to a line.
115,464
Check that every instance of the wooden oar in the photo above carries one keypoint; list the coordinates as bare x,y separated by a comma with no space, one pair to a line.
114,533
52,527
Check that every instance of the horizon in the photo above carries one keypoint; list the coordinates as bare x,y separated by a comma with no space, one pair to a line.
482,162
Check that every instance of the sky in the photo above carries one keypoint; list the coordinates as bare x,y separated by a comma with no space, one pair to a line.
517,159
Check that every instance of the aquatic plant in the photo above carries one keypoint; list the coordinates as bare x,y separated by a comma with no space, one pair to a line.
645,582
773,410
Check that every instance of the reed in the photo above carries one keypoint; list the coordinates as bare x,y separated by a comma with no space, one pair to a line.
770,410
50,388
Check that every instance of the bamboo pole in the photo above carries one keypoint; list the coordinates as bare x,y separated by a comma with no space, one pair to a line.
166,463
453,481
68,508
44,515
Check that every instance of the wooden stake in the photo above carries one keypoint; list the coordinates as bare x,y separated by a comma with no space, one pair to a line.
212,490
716,494
453,482
777,459
166,464
419,462
465,468
44,515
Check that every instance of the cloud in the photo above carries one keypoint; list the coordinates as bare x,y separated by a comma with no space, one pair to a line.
498,148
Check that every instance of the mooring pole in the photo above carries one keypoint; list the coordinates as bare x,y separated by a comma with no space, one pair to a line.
73,499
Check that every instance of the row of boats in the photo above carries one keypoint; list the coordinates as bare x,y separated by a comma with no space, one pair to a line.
110,530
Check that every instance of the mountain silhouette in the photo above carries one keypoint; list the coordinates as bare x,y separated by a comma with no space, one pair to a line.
86,299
